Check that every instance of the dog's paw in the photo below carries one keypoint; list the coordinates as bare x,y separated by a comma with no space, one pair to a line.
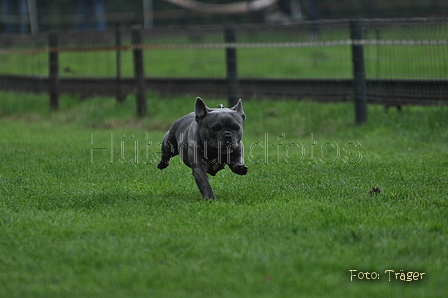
162,164
239,169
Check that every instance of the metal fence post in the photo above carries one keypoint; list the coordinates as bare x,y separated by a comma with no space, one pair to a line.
139,72
53,80
231,66
359,74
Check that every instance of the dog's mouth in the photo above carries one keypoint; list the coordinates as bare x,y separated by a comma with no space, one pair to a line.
229,148
223,147
227,140
229,145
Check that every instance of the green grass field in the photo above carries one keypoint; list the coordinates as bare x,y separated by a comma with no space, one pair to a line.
83,222
386,62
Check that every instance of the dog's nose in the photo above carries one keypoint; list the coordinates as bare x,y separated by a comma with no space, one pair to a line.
228,137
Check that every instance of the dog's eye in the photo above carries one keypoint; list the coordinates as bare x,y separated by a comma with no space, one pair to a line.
236,127
216,127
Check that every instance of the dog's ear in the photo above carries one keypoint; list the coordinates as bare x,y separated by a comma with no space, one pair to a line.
201,110
239,108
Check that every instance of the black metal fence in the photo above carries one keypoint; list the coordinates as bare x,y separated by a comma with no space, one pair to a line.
405,61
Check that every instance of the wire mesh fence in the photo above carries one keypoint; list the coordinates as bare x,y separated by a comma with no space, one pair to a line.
404,58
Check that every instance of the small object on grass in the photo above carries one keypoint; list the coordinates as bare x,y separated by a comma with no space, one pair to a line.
68,70
374,191
221,106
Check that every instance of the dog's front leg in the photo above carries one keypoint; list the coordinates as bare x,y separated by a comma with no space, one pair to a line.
201,178
236,163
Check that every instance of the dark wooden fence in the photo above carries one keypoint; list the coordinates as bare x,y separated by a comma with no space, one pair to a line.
359,89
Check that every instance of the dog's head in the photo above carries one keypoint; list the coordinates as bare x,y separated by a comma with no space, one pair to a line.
221,128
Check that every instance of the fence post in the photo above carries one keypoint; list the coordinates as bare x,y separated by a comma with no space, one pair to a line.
139,72
231,66
119,92
359,74
53,80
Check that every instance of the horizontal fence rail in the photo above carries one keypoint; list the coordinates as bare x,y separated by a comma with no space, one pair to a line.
235,45
386,92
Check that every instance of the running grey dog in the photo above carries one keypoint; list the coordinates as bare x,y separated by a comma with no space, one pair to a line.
207,139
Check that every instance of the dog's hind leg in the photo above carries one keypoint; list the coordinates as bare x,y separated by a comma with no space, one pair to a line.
169,150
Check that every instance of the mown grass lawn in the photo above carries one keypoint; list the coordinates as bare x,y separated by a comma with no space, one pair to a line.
385,62
77,222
